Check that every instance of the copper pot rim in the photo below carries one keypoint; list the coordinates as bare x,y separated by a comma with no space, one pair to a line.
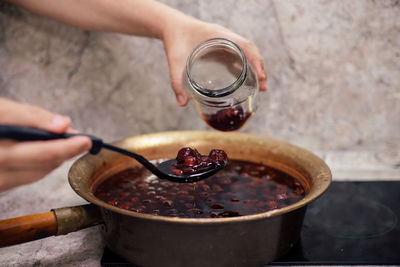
324,176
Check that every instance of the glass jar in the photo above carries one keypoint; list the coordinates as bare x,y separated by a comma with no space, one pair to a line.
222,84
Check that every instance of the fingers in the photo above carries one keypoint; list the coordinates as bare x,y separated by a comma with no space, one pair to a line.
32,116
177,84
262,75
255,59
42,155
25,162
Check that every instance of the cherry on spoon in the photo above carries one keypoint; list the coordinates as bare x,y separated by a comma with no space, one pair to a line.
163,171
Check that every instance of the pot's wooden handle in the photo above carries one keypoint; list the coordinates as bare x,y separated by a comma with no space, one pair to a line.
56,222
27,228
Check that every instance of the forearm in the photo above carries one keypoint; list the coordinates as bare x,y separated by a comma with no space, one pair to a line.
138,17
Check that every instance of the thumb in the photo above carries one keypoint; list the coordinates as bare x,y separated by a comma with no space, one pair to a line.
176,67
177,87
32,116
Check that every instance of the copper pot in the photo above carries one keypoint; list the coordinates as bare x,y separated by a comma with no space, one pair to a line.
149,240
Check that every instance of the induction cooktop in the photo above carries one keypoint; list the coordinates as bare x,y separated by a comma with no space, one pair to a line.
351,223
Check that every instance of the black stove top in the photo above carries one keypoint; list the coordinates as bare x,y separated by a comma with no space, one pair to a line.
352,223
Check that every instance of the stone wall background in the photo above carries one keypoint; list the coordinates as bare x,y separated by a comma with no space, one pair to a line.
333,75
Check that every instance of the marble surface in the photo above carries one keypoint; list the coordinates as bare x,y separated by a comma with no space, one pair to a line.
333,77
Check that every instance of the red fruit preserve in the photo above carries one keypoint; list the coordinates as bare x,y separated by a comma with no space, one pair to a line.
229,119
241,188
189,161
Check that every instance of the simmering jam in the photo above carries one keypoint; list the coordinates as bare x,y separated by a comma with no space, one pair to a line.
241,188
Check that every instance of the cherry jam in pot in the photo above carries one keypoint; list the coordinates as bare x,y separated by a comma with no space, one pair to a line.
241,188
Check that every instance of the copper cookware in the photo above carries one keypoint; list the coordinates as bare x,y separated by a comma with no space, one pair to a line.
149,240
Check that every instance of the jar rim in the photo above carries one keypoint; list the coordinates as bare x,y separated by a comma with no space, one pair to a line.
222,91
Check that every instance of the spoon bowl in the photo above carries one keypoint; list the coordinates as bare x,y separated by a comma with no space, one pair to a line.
167,167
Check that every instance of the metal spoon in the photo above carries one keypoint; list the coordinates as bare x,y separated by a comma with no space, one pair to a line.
163,171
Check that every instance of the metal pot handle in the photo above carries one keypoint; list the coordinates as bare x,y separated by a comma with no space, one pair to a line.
55,222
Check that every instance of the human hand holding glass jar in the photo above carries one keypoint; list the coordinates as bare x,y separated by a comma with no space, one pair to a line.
184,33
222,84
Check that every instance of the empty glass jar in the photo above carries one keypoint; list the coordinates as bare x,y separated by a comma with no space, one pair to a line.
222,84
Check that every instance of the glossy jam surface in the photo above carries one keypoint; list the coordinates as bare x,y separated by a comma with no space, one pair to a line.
229,119
241,188
190,161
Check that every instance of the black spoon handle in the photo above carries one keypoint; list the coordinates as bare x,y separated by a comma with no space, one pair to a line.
150,166
18,133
